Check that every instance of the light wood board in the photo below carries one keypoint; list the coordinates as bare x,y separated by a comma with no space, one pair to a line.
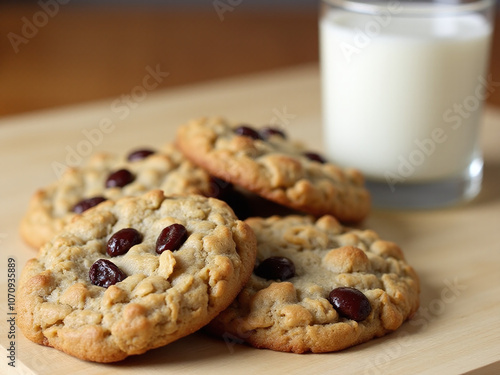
456,251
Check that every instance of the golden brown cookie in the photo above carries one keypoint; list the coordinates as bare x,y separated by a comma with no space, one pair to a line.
134,274
267,163
51,208
319,287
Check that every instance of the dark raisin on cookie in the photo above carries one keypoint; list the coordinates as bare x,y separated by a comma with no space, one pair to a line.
105,273
276,268
315,157
139,154
171,238
120,178
350,303
247,131
268,131
121,242
85,204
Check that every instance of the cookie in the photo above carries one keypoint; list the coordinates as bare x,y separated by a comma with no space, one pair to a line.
134,274
268,164
107,176
319,287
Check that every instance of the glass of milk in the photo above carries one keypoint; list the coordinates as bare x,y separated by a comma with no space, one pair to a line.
403,85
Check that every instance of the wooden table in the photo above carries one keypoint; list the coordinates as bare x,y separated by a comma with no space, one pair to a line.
456,251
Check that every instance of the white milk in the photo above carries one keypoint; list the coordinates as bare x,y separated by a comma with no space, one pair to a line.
402,96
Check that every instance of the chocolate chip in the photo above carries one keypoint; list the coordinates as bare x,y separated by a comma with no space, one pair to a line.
315,157
247,131
119,178
85,204
121,242
350,303
139,154
105,273
276,268
171,238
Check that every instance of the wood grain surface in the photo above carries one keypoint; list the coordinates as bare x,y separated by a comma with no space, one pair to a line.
90,52
84,53
456,251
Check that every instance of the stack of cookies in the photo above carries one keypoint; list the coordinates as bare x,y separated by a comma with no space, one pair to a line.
234,229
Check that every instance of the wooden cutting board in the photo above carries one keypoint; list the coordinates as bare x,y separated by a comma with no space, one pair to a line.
456,251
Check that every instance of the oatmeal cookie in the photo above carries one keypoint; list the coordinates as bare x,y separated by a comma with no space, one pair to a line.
267,163
319,287
135,274
107,176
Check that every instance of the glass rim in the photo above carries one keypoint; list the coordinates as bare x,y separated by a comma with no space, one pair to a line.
418,8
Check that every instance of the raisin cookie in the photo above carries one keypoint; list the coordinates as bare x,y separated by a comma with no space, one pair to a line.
107,176
268,164
135,274
319,287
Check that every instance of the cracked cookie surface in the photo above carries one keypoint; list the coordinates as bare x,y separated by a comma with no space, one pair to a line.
51,208
295,314
163,296
274,168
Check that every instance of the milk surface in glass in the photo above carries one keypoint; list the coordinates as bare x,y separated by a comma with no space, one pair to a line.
402,95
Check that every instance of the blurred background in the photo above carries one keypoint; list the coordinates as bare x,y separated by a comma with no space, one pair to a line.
61,52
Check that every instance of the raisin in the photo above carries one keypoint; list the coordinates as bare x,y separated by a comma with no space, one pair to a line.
315,157
171,238
247,131
350,303
105,273
139,154
119,178
276,268
267,132
85,204
122,241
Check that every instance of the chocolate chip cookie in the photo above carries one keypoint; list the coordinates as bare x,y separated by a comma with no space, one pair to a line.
267,163
134,274
319,287
106,176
